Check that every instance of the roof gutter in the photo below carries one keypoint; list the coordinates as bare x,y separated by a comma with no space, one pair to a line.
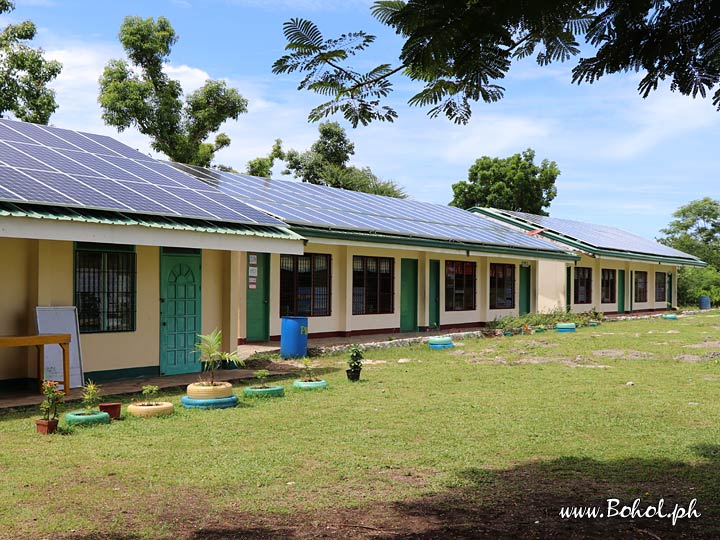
314,232
585,247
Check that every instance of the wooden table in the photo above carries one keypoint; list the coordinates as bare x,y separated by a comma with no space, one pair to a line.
39,341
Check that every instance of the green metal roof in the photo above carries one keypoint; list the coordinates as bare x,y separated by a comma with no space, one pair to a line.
36,211
313,232
596,240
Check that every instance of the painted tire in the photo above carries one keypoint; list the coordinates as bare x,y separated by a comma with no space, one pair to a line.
310,385
217,403
79,418
272,391
199,391
670,316
441,346
565,325
146,411
440,340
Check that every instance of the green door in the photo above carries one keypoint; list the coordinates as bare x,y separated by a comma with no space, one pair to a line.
568,288
180,310
621,292
669,291
258,296
408,295
524,290
434,295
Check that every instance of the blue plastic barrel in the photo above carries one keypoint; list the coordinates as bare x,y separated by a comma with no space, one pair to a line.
704,302
293,337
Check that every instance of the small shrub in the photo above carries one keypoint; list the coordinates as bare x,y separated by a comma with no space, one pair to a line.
261,375
53,398
308,370
356,357
548,319
90,396
150,394
212,357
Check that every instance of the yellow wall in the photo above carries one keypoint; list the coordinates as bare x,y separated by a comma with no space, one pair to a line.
15,279
550,286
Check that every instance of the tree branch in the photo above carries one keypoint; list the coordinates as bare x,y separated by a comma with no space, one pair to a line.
360,84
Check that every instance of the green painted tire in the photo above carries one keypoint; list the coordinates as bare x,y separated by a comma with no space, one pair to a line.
79,418
310,385
440,340
216,403
565,325
271,391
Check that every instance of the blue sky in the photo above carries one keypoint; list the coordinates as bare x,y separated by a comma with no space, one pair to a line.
625,161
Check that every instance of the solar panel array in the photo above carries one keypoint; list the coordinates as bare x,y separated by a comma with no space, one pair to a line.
53,166
601,236
321,206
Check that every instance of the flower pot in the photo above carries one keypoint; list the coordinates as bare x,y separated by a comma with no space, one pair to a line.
205,391
309,385
46,427
158,408
81,418
113,409
267,391
353,374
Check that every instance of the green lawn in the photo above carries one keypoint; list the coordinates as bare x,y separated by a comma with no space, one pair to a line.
496,431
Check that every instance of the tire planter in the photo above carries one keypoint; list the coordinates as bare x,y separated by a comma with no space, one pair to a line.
669,316
270,391
113,409
46,427
310,385
79,418
160,408
216,403
353,374
440,342
565,327
201,391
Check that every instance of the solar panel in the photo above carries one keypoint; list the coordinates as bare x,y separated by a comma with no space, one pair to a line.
321,206
601,236
47,165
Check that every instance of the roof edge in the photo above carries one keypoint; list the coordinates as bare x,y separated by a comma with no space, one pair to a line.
381,238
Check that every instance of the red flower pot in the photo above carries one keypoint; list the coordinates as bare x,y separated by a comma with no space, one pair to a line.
113,409
46,427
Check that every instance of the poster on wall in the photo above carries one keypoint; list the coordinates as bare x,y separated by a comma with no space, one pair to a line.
252,259
252,271
61,320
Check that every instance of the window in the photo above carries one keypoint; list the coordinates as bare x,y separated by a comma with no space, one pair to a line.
502,286
459,286
583,285
373,285
641,286
305,285
660,286
608,289
105,287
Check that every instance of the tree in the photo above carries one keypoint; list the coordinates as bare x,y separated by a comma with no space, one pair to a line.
25,73
513,183
459,50
696,230
262,166
326,163
142,95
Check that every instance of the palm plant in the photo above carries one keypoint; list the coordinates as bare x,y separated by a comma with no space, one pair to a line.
211,356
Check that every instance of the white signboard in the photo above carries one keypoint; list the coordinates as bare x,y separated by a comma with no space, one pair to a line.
61,320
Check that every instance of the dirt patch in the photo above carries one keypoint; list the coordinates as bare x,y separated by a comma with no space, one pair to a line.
619,353
704,345
689,358
711,377
373,362
458,353
540,343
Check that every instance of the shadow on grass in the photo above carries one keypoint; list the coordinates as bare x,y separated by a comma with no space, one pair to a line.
518,503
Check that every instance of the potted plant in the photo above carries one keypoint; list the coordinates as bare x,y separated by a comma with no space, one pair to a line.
49,407
309,381
212,394
90,400
113,408
262,389
150,406
354,362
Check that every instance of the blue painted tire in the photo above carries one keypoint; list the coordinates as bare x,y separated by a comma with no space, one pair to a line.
440,340
271,391
217,403
441,346
565,326
310,385
670,316
79,418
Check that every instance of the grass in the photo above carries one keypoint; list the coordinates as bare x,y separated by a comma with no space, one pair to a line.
496,419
